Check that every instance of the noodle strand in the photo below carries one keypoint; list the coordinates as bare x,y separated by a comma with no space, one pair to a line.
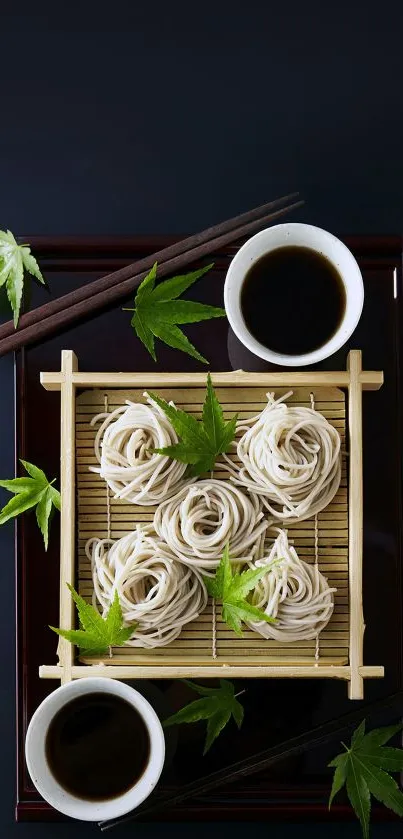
124,448
154,589
293,592
202,518
290,457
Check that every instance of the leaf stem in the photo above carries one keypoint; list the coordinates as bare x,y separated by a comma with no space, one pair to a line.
239,693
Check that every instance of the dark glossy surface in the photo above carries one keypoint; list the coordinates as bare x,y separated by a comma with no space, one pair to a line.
274,710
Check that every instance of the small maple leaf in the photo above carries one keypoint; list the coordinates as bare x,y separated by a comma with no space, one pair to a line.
217,707
200,441
231,587
158,312
364,769
35,491
15,261
97,634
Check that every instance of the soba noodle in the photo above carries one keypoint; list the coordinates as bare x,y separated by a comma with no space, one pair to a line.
202,518
124,448
294,593
154,588
290,457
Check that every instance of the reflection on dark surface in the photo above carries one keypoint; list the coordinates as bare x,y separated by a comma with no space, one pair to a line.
275,710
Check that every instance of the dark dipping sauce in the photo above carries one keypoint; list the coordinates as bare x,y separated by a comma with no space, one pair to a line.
97,746
293,300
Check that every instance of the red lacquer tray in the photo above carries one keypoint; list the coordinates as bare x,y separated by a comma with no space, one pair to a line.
298,785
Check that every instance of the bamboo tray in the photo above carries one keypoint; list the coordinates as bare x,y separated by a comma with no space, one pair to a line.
207,648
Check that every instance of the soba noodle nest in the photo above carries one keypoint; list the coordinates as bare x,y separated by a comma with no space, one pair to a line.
290,457
124,447
202,518
294,593
154,588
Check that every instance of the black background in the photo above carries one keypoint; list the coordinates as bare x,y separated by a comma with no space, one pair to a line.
165,117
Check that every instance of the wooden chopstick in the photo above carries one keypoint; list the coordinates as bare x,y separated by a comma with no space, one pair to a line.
85,301
260,761
144,264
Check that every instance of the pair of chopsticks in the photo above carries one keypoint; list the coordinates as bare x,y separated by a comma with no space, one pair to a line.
100,294
319,736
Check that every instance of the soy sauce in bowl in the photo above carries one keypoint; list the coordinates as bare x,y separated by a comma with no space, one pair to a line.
293,300
97,746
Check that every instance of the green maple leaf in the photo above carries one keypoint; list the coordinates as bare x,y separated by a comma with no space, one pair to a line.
232,587
15,261
217,707
158,312
97,634
201,441
364,769
34,491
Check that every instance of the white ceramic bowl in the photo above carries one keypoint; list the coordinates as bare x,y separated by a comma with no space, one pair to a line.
299,235
45,781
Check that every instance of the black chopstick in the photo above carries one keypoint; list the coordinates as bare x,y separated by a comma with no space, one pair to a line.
262,760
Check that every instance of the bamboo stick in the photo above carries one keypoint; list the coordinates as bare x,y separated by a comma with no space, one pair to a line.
369,380
67,526
355,517
47,671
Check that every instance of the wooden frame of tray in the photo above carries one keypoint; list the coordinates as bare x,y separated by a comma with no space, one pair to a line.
340,655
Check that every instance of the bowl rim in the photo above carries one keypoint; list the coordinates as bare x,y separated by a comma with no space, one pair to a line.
44,780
